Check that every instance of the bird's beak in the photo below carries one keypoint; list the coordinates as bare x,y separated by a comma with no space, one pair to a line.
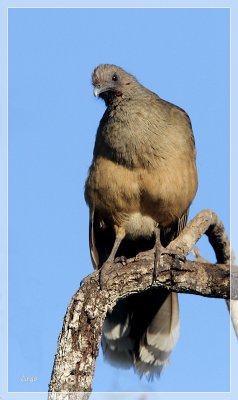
98,90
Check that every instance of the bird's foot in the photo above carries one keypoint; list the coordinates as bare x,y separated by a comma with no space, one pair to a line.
103,274
88,279
158,263
107,267
156,252
159,250
145,254
122,260
178,256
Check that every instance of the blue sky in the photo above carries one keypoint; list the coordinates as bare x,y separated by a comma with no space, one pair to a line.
183,55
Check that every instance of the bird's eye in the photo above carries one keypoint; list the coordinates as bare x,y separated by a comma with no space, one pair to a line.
114,77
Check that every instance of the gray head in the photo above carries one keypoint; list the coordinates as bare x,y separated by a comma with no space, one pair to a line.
112,83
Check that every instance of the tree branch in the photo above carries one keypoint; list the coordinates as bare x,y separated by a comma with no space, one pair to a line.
79,340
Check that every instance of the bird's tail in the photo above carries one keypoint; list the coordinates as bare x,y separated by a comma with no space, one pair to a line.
159,339
141,332
117,343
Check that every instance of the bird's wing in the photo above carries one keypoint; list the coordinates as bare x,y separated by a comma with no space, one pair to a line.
171,232
92,245
101,239
182,222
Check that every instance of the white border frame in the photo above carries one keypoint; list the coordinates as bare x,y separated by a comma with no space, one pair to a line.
4,6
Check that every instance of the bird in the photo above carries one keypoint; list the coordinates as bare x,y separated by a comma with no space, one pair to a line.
140,185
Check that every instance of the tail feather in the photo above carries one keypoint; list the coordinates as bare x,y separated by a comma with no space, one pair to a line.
163,330
159,339
141,332
117,343
119,352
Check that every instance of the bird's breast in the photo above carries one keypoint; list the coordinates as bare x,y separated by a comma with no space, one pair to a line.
113,189
127,197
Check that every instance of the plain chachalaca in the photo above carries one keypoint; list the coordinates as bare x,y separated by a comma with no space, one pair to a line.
143,176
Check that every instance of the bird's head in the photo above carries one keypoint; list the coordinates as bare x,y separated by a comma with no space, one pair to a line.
111,82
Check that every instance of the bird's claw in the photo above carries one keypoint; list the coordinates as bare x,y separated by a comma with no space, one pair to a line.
159,252
88,279
178,256
106,269
122,260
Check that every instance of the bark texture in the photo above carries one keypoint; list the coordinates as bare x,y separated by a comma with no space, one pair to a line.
79,340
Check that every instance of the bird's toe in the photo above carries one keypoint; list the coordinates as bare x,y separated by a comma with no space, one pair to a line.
122,260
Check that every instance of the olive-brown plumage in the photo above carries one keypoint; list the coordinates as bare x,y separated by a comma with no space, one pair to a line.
143,175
